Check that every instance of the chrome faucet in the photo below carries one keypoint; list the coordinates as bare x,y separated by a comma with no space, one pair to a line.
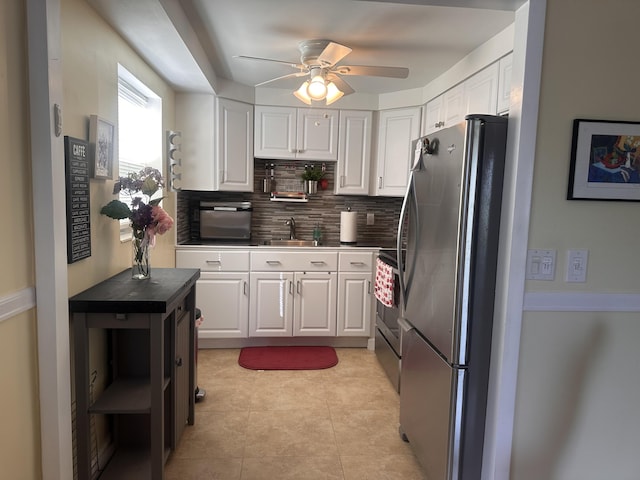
292,228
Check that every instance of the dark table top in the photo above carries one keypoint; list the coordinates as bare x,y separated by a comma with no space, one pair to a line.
122,294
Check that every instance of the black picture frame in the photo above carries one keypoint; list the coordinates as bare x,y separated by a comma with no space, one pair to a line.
605,161
77,169
102,144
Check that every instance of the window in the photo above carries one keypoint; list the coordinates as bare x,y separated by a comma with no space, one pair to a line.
139,131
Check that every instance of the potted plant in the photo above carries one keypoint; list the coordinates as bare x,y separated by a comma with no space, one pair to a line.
310,177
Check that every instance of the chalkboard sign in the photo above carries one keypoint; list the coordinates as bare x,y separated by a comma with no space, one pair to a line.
76,154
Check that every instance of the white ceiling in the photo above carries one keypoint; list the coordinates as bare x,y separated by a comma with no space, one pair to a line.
192,42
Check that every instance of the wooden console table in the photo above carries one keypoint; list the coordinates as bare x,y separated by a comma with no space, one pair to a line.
150,396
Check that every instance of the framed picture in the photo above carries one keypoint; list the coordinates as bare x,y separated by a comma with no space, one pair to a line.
102,147
605,161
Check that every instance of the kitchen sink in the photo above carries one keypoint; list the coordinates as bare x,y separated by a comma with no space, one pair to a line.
285,242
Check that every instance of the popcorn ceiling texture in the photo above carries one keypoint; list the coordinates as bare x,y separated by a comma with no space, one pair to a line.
268,219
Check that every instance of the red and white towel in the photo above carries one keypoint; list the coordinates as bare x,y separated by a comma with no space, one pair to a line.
383,287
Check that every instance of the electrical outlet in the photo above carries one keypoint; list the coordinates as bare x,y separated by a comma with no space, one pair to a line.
370,219
577,266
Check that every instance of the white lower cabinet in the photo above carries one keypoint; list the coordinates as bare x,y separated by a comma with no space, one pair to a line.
285,304
223,299
355,294
222,291
282,293
293,294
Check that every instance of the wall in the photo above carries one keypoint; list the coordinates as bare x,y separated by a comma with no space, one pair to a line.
579,381
20,432
91,53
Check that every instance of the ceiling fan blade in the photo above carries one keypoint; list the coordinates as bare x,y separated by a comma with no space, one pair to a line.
371,71
343,86
292,65
332,54
291,75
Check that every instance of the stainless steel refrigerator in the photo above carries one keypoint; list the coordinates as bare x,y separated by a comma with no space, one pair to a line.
450,222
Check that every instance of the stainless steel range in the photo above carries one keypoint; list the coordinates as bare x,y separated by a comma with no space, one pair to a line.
388,332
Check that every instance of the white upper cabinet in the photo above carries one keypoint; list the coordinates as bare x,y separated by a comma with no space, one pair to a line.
396,129
354,153
504,84
444,111
216,143
234,145
481,91
296,133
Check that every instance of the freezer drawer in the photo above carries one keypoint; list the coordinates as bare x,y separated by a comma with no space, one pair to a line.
426,397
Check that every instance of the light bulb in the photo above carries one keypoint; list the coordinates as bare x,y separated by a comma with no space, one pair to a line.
317,89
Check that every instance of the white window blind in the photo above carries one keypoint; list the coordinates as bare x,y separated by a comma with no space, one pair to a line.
139,131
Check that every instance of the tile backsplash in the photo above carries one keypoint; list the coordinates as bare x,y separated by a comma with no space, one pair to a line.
323,208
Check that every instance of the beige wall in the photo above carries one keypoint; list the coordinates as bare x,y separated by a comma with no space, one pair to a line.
20,431
91,53
579,376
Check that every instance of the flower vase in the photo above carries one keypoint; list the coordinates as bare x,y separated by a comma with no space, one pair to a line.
140,268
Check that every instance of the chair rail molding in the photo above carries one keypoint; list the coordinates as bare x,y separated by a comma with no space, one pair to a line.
16,303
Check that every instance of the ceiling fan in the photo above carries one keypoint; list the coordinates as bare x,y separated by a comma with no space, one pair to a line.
318,61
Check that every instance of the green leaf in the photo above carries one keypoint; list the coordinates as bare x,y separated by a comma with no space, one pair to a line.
155,201
149,186
116,209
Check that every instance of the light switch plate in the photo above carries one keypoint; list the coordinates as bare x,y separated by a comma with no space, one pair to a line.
541,264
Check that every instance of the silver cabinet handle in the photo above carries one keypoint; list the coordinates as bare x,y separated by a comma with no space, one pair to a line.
244,288
317,262
273,262
214,262
342,180
290,288
298,287
379,182
357,263
369,287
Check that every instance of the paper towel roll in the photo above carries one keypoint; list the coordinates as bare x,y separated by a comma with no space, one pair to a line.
348,227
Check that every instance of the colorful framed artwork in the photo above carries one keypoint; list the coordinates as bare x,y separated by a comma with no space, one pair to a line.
605,161
102,147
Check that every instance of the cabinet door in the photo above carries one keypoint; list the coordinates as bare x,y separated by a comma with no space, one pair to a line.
275,132
355,300
195,119
271,304
397,128
505,67
354,153
234,145
315,304
223,299
432,115
453,105
481,91
317,134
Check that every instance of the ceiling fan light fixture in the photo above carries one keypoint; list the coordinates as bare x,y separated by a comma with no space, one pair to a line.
301,93
333,93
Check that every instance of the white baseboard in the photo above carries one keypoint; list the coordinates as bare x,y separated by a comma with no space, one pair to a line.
16,303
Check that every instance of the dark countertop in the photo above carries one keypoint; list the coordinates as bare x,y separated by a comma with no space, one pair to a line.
122,294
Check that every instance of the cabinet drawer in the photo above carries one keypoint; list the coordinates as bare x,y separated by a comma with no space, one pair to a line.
281,261
355,262
213,260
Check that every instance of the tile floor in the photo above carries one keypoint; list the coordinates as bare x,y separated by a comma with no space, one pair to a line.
338,423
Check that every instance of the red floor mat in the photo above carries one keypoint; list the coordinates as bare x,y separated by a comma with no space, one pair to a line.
287,358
